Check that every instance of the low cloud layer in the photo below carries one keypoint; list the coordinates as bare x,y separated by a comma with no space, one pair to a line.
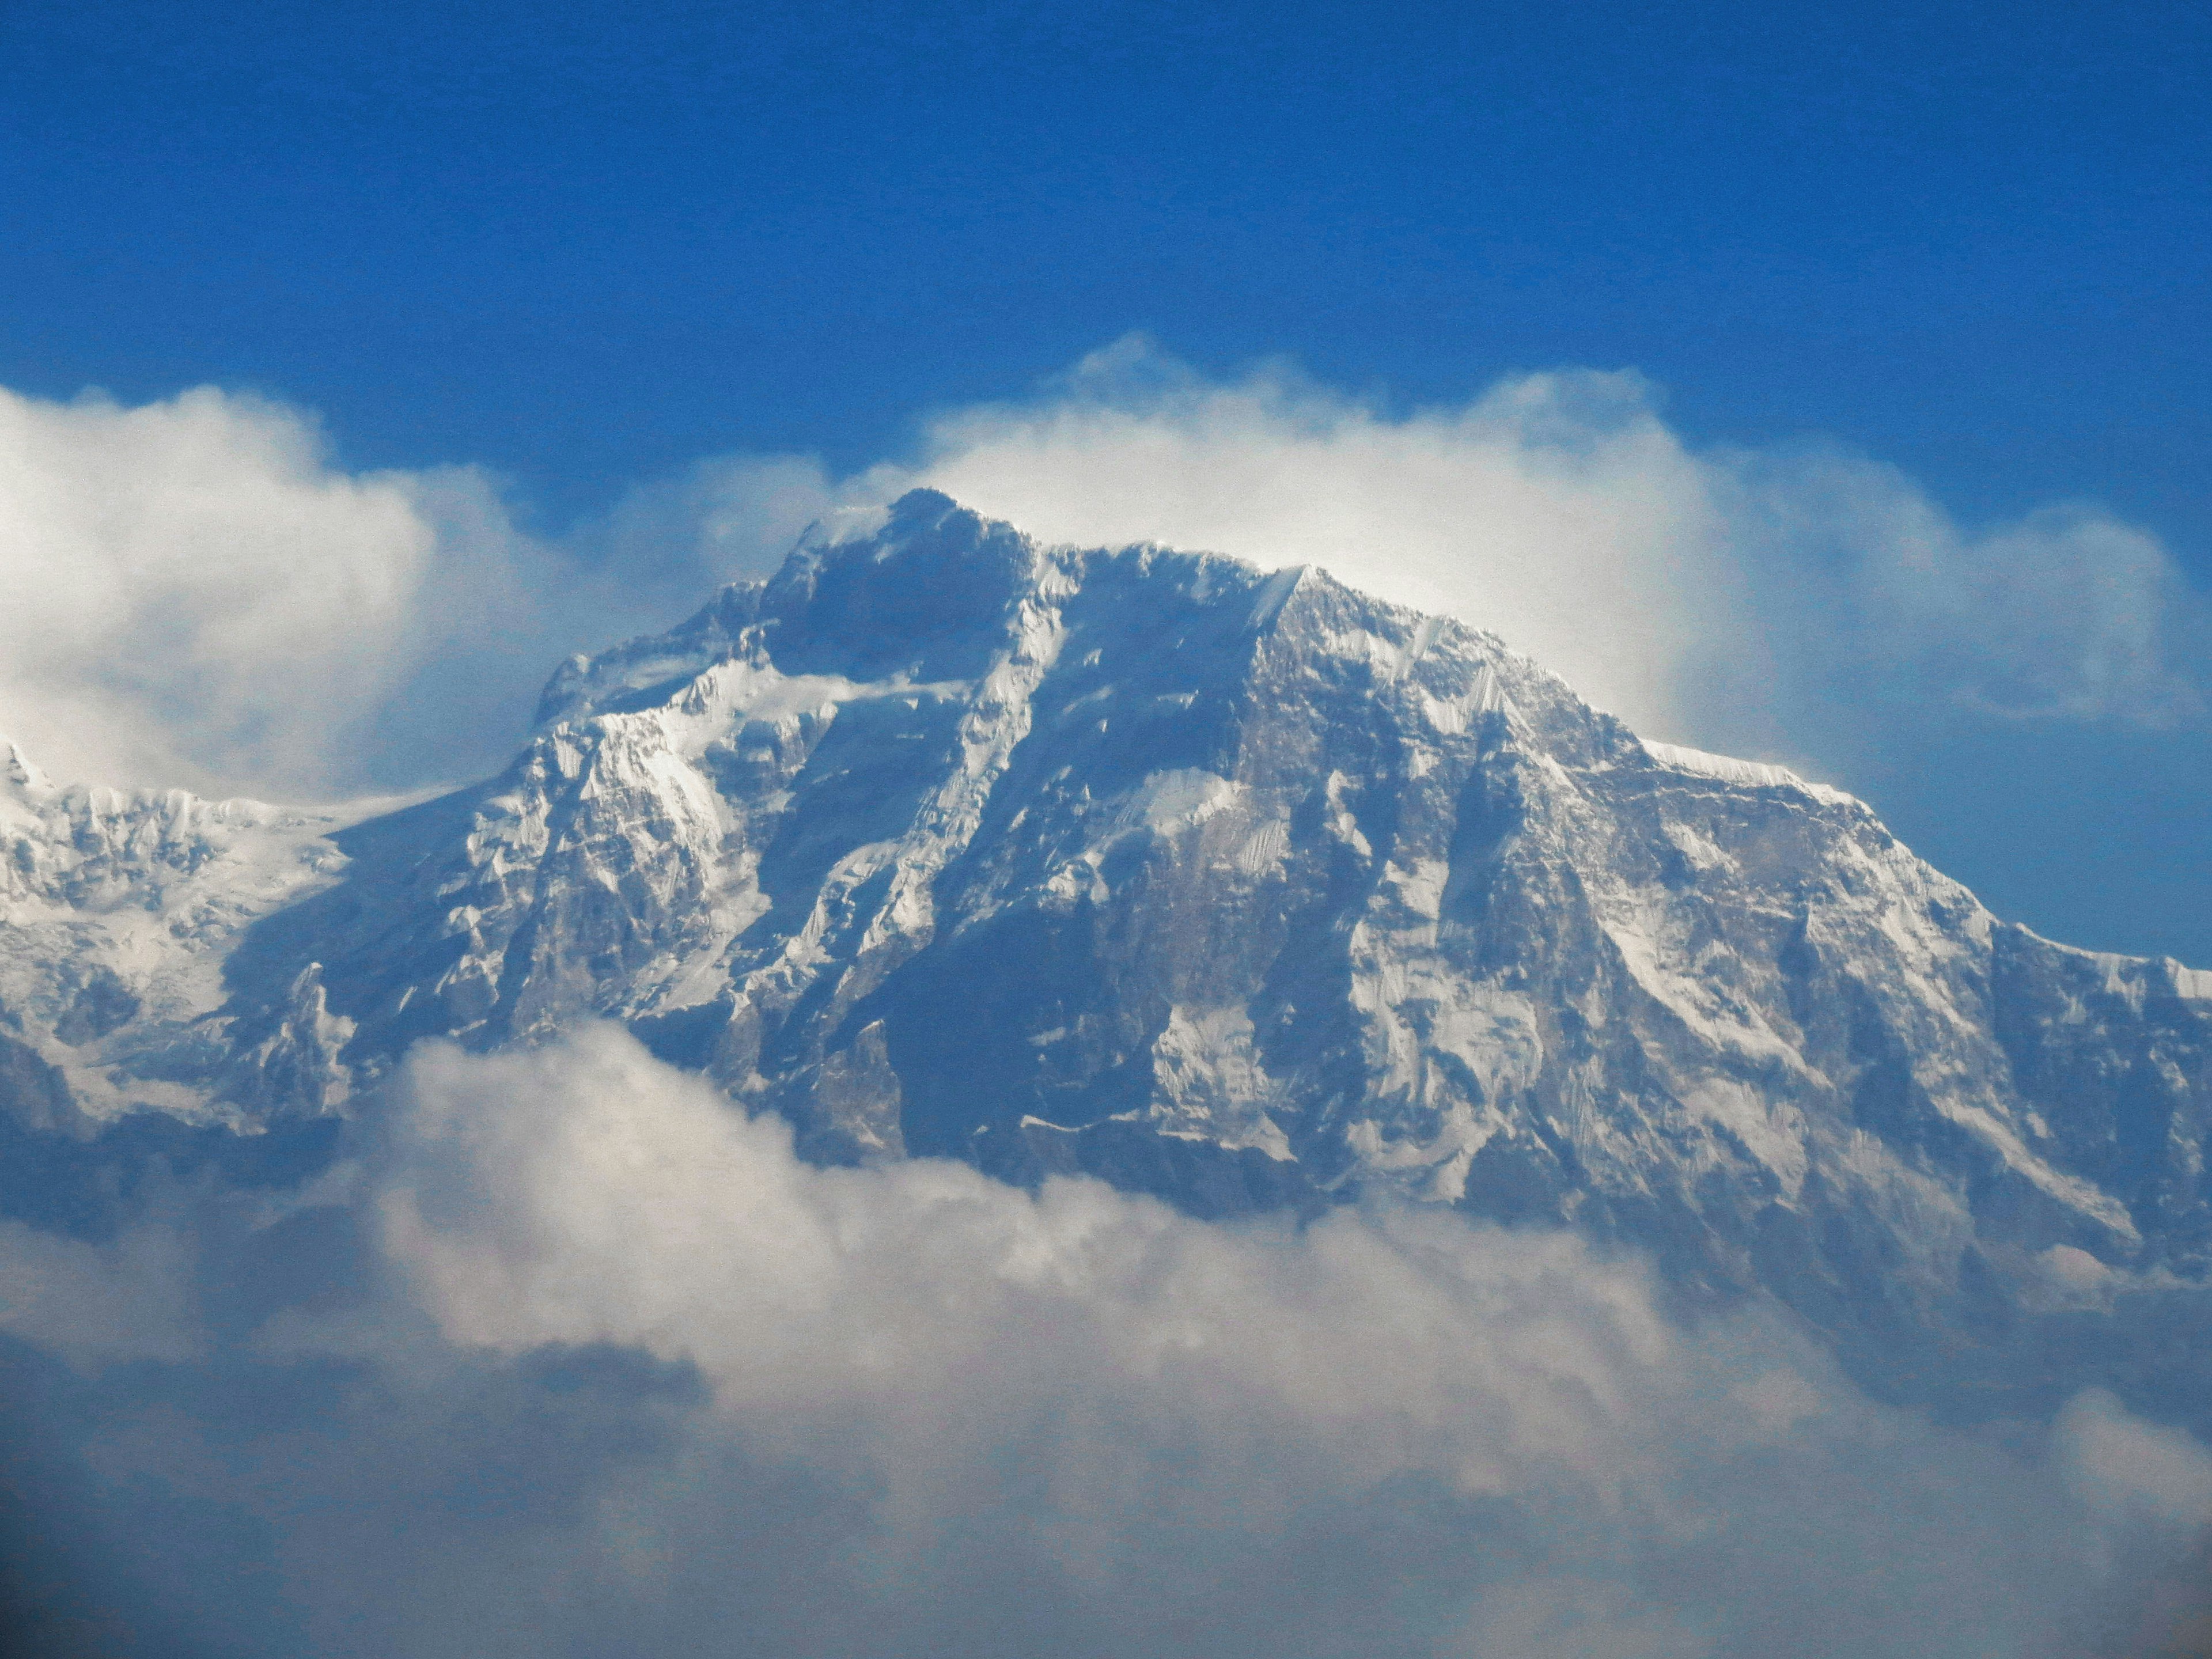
578,1360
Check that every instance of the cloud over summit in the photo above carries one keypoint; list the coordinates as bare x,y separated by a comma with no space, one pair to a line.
1708,596
203,596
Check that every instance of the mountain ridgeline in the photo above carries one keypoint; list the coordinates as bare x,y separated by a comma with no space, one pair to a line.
1245,889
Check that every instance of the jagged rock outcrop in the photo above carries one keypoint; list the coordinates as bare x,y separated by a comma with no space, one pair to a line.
1251,891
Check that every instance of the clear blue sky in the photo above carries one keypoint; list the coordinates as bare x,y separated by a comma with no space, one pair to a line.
585,243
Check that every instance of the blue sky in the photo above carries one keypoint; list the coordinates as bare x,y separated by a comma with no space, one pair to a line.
588,241
586,245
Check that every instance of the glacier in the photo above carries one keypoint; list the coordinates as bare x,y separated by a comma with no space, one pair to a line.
1241,888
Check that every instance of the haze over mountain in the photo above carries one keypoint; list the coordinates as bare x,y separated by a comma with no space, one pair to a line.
1241,890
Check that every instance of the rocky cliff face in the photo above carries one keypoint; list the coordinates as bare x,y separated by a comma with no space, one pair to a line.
1246,890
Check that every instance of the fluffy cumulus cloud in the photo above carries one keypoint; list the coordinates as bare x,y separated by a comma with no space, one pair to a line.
577,1359
196,595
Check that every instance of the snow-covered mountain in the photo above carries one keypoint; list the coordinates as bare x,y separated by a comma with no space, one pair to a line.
1243,888
118,912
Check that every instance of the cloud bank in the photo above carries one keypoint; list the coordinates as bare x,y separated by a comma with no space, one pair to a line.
579,1360
1699,595
201,595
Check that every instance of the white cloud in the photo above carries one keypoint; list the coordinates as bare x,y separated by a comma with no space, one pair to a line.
715,522
1789,600
2066,613
583,1360
188,581
197,595
2131,1471
129,1298
1556,510
1147,1416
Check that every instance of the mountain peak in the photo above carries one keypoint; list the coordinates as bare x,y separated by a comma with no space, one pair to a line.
19,769
1250,889
923,590
928,594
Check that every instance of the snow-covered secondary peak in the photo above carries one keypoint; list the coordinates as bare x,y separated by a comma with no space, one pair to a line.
1251,889
118,912
18,773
